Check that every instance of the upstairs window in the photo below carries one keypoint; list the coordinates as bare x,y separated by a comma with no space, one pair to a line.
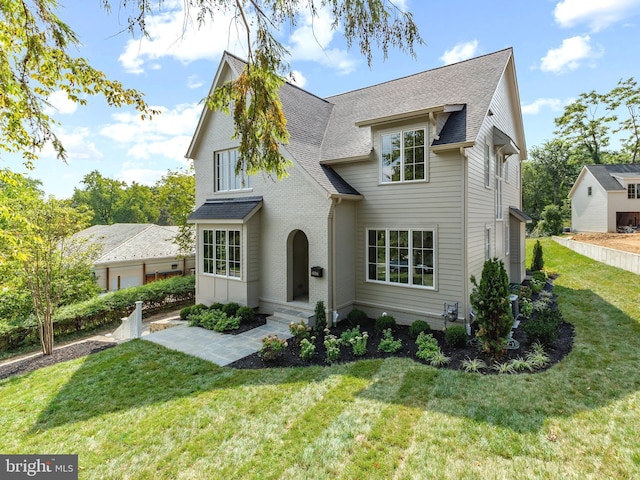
633,190
589,191
498,185
225,175
404,156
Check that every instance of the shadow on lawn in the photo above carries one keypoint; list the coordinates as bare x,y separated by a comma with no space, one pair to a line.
602,368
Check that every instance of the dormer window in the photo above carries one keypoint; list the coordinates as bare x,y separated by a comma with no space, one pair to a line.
633,190
404,156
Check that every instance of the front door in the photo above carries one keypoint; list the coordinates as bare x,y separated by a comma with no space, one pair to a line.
298,271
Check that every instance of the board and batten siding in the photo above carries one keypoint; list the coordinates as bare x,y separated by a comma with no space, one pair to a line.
589,212
436,205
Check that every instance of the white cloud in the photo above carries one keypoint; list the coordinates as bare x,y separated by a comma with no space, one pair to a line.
173,35
597,14
555,104
461,51
77,143
297,79
570,55
143,176
59,102
194,81
166,135
311,41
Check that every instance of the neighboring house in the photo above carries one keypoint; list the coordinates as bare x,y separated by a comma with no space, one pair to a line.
398,194
606,198
132,254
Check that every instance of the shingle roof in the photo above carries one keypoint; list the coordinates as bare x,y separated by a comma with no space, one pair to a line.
226,208
123,242
326,129
472,82
605,174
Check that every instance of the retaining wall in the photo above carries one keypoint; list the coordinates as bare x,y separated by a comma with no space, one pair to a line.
609,256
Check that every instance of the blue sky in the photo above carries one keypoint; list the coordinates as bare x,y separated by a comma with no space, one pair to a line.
561,48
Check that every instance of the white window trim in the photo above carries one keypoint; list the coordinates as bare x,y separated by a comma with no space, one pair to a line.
410,248
487,165
214,259
507,240
488,250
499,185
230,172
402,164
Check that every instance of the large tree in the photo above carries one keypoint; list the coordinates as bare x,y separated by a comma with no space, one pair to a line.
626,95
101,195
253,98
39,243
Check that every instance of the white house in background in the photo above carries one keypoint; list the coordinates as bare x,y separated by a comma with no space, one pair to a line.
133,254
397,195
606,198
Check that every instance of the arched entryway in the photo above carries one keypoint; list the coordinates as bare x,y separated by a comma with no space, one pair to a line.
298,267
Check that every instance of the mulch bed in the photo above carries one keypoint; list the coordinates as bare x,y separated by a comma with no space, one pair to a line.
61,354
291,357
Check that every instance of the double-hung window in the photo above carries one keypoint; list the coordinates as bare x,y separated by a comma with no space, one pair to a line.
226,179
498,185
404,156
221,252
633,190
403,257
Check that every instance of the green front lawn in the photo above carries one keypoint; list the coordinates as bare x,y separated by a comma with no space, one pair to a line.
141,411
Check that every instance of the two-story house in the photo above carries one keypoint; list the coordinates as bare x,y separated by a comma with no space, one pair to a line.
397,195
606,198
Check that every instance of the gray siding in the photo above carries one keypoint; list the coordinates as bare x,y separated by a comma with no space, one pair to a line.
436,204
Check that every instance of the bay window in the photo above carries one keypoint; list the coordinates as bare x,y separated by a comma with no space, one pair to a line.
221,252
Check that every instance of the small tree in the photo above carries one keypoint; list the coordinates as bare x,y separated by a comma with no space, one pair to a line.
490,301
550,220
321,317
537,262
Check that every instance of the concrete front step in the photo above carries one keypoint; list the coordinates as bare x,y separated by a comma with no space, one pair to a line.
288,315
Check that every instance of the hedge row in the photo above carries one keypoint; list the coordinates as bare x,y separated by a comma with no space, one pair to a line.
103,310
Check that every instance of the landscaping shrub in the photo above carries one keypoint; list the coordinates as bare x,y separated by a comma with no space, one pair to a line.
388,344
320,317
543,328
455,336
332,346
537,262
246,314
385,321
348,334
226,324
356,317
417,327
540,276
300,331
185,312
272,348
307,349
216,306
231,308
359,344
429,350
490,301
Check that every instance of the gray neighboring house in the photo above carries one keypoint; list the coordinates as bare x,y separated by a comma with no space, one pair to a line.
398,193
133,254
606,198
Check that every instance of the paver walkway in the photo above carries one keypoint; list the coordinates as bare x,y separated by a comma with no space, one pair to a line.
219,348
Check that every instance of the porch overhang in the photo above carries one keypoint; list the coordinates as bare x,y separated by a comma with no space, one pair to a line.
504,142
519,215
227,210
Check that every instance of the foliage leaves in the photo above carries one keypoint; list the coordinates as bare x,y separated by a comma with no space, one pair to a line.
490,301
35,63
